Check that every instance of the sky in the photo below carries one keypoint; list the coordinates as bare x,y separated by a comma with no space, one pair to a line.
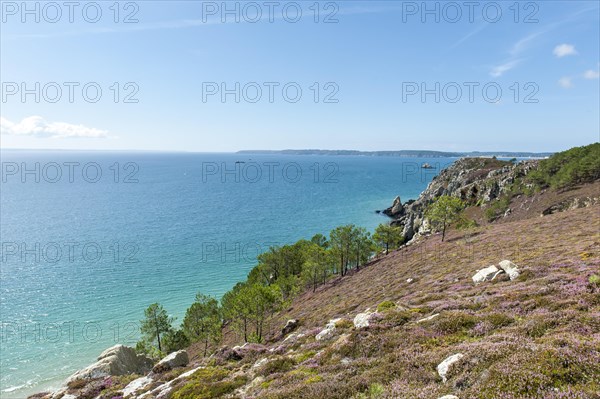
365,75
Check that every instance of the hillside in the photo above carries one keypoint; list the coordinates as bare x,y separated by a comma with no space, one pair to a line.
414,323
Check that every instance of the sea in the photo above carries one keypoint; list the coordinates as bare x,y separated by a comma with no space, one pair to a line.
90,239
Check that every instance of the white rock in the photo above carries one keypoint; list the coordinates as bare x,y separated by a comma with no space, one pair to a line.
260,362
409,280
117,360
362,320
509,268
443,367
449,397
294,337
328,331
163,390
172,360
136,385
433,316
486,274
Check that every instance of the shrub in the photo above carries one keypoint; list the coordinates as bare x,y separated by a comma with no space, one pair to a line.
397,317
453,322
344,323
498,320
385,305
207,383
278,365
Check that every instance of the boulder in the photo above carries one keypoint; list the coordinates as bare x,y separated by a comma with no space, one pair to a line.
362,319
397,206
328,332
171,361
487,274
449,397
290,326
136,385
509,268
117,360
444,366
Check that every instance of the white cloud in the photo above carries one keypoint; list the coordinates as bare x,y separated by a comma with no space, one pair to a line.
499,70
563,50
36,126
591,74
566,82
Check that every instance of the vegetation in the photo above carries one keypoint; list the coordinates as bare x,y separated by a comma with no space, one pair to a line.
568,168
388,237
444,211
203,321
156,323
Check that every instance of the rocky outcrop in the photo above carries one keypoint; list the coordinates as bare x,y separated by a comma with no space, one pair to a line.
290,326
486,274
444,366
117,360
361,320
509,268
328,332
573,203
491,272
473,180
171,361
226,353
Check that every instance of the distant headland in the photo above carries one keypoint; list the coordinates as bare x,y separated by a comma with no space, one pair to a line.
406,153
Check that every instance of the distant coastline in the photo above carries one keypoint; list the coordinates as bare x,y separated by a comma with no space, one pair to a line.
405,153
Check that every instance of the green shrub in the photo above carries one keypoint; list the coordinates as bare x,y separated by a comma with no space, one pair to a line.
208,383
498,320
344,323
397,317
386,305
278,365
454,322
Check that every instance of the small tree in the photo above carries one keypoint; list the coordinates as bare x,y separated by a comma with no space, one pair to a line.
203,321
175,340
156,323
387,236
444,211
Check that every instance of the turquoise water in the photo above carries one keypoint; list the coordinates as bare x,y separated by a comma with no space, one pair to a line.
81,260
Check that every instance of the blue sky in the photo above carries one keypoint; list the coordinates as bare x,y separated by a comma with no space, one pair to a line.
369,61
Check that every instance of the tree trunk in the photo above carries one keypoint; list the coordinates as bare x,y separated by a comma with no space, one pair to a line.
444,232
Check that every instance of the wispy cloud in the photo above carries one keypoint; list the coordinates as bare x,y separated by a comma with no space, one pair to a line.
36,126
590,74
565,82
563,50
499,70
468,36
523,43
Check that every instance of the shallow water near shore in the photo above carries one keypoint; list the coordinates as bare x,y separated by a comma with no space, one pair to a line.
83,255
